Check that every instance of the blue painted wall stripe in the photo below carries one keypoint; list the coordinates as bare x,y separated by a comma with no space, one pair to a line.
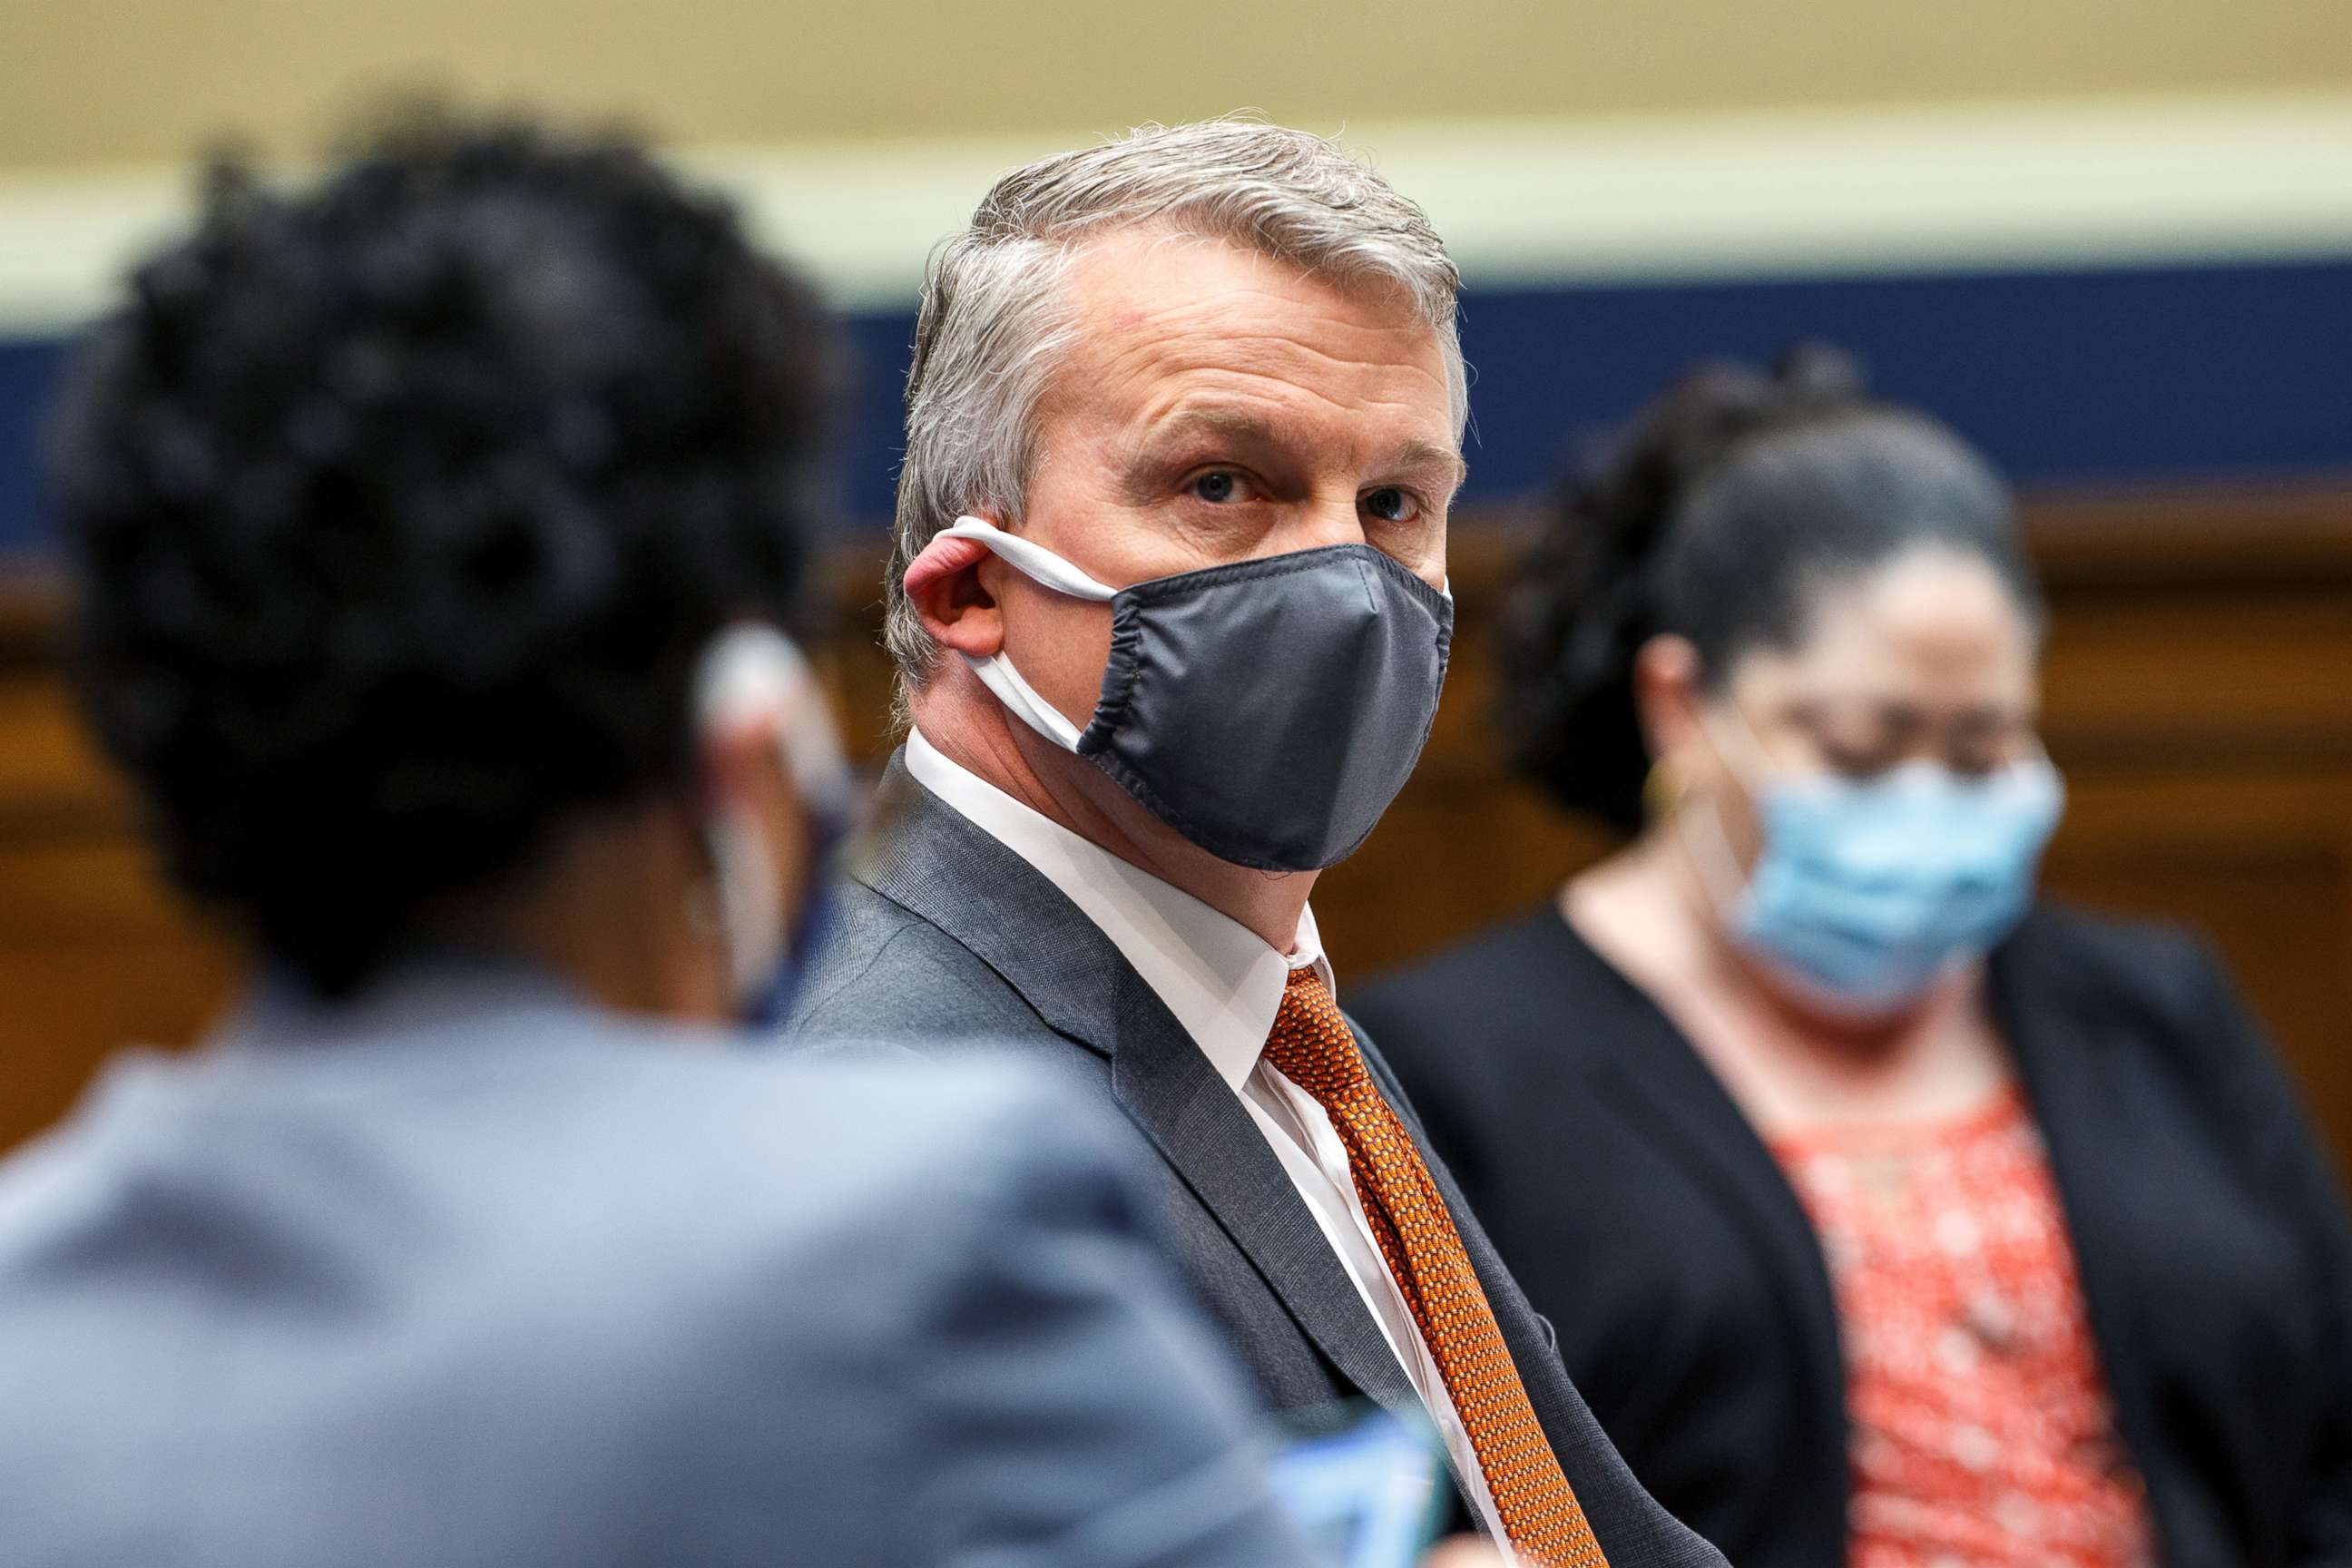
2154,374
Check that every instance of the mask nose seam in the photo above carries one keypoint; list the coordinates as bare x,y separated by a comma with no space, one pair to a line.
1123,671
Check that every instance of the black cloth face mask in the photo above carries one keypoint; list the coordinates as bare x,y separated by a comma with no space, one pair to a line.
1268,711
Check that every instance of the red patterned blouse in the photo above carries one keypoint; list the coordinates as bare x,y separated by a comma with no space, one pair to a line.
1981,1430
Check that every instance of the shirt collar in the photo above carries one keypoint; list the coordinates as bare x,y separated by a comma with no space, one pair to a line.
1221,981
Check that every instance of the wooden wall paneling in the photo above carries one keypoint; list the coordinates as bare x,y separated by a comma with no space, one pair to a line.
2200,698
94,953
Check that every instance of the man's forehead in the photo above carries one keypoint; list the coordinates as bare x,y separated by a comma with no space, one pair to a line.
1200,336
1146,276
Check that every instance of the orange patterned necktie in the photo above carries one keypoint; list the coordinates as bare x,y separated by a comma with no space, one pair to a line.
1313,1047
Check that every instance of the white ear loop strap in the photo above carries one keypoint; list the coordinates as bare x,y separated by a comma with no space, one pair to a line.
1032,560
1042,566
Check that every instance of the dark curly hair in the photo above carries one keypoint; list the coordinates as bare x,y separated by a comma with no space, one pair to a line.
401,508
1720,516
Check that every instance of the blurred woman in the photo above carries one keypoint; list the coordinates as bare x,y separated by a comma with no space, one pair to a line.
1887,1216
434,528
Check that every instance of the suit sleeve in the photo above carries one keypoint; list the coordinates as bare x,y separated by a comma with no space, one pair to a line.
1069,1406
2302,1177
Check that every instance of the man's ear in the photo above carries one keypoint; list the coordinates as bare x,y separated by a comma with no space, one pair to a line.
945,585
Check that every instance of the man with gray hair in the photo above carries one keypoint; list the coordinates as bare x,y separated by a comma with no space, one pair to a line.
1168,596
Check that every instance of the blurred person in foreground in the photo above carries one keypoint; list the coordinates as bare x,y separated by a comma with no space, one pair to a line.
1167,598
1888,1215
434,532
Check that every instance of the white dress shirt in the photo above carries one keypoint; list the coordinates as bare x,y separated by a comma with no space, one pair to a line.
1224,986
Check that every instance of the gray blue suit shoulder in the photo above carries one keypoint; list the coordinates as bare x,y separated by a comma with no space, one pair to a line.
945,944
476,1277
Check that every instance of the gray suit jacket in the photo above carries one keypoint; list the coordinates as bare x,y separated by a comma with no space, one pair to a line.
945,940
468,1275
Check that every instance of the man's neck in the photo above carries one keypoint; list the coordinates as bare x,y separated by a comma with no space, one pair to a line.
966,725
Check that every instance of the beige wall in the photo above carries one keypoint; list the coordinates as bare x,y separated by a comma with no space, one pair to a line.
91,82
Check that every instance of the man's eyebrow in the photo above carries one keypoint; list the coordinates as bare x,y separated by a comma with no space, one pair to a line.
1242,426
1421,456
1233,423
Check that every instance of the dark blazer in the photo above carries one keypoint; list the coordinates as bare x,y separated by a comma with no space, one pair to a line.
1694,1310
944,939
473,1276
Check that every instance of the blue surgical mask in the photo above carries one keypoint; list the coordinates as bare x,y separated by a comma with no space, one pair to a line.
1868,892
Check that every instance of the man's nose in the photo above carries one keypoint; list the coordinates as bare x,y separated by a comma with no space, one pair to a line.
1322,522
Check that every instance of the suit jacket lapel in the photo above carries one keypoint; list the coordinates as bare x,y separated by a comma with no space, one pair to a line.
939,865
1202,1129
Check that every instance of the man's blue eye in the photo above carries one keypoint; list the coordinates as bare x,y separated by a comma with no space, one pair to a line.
1214,486
1388,504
